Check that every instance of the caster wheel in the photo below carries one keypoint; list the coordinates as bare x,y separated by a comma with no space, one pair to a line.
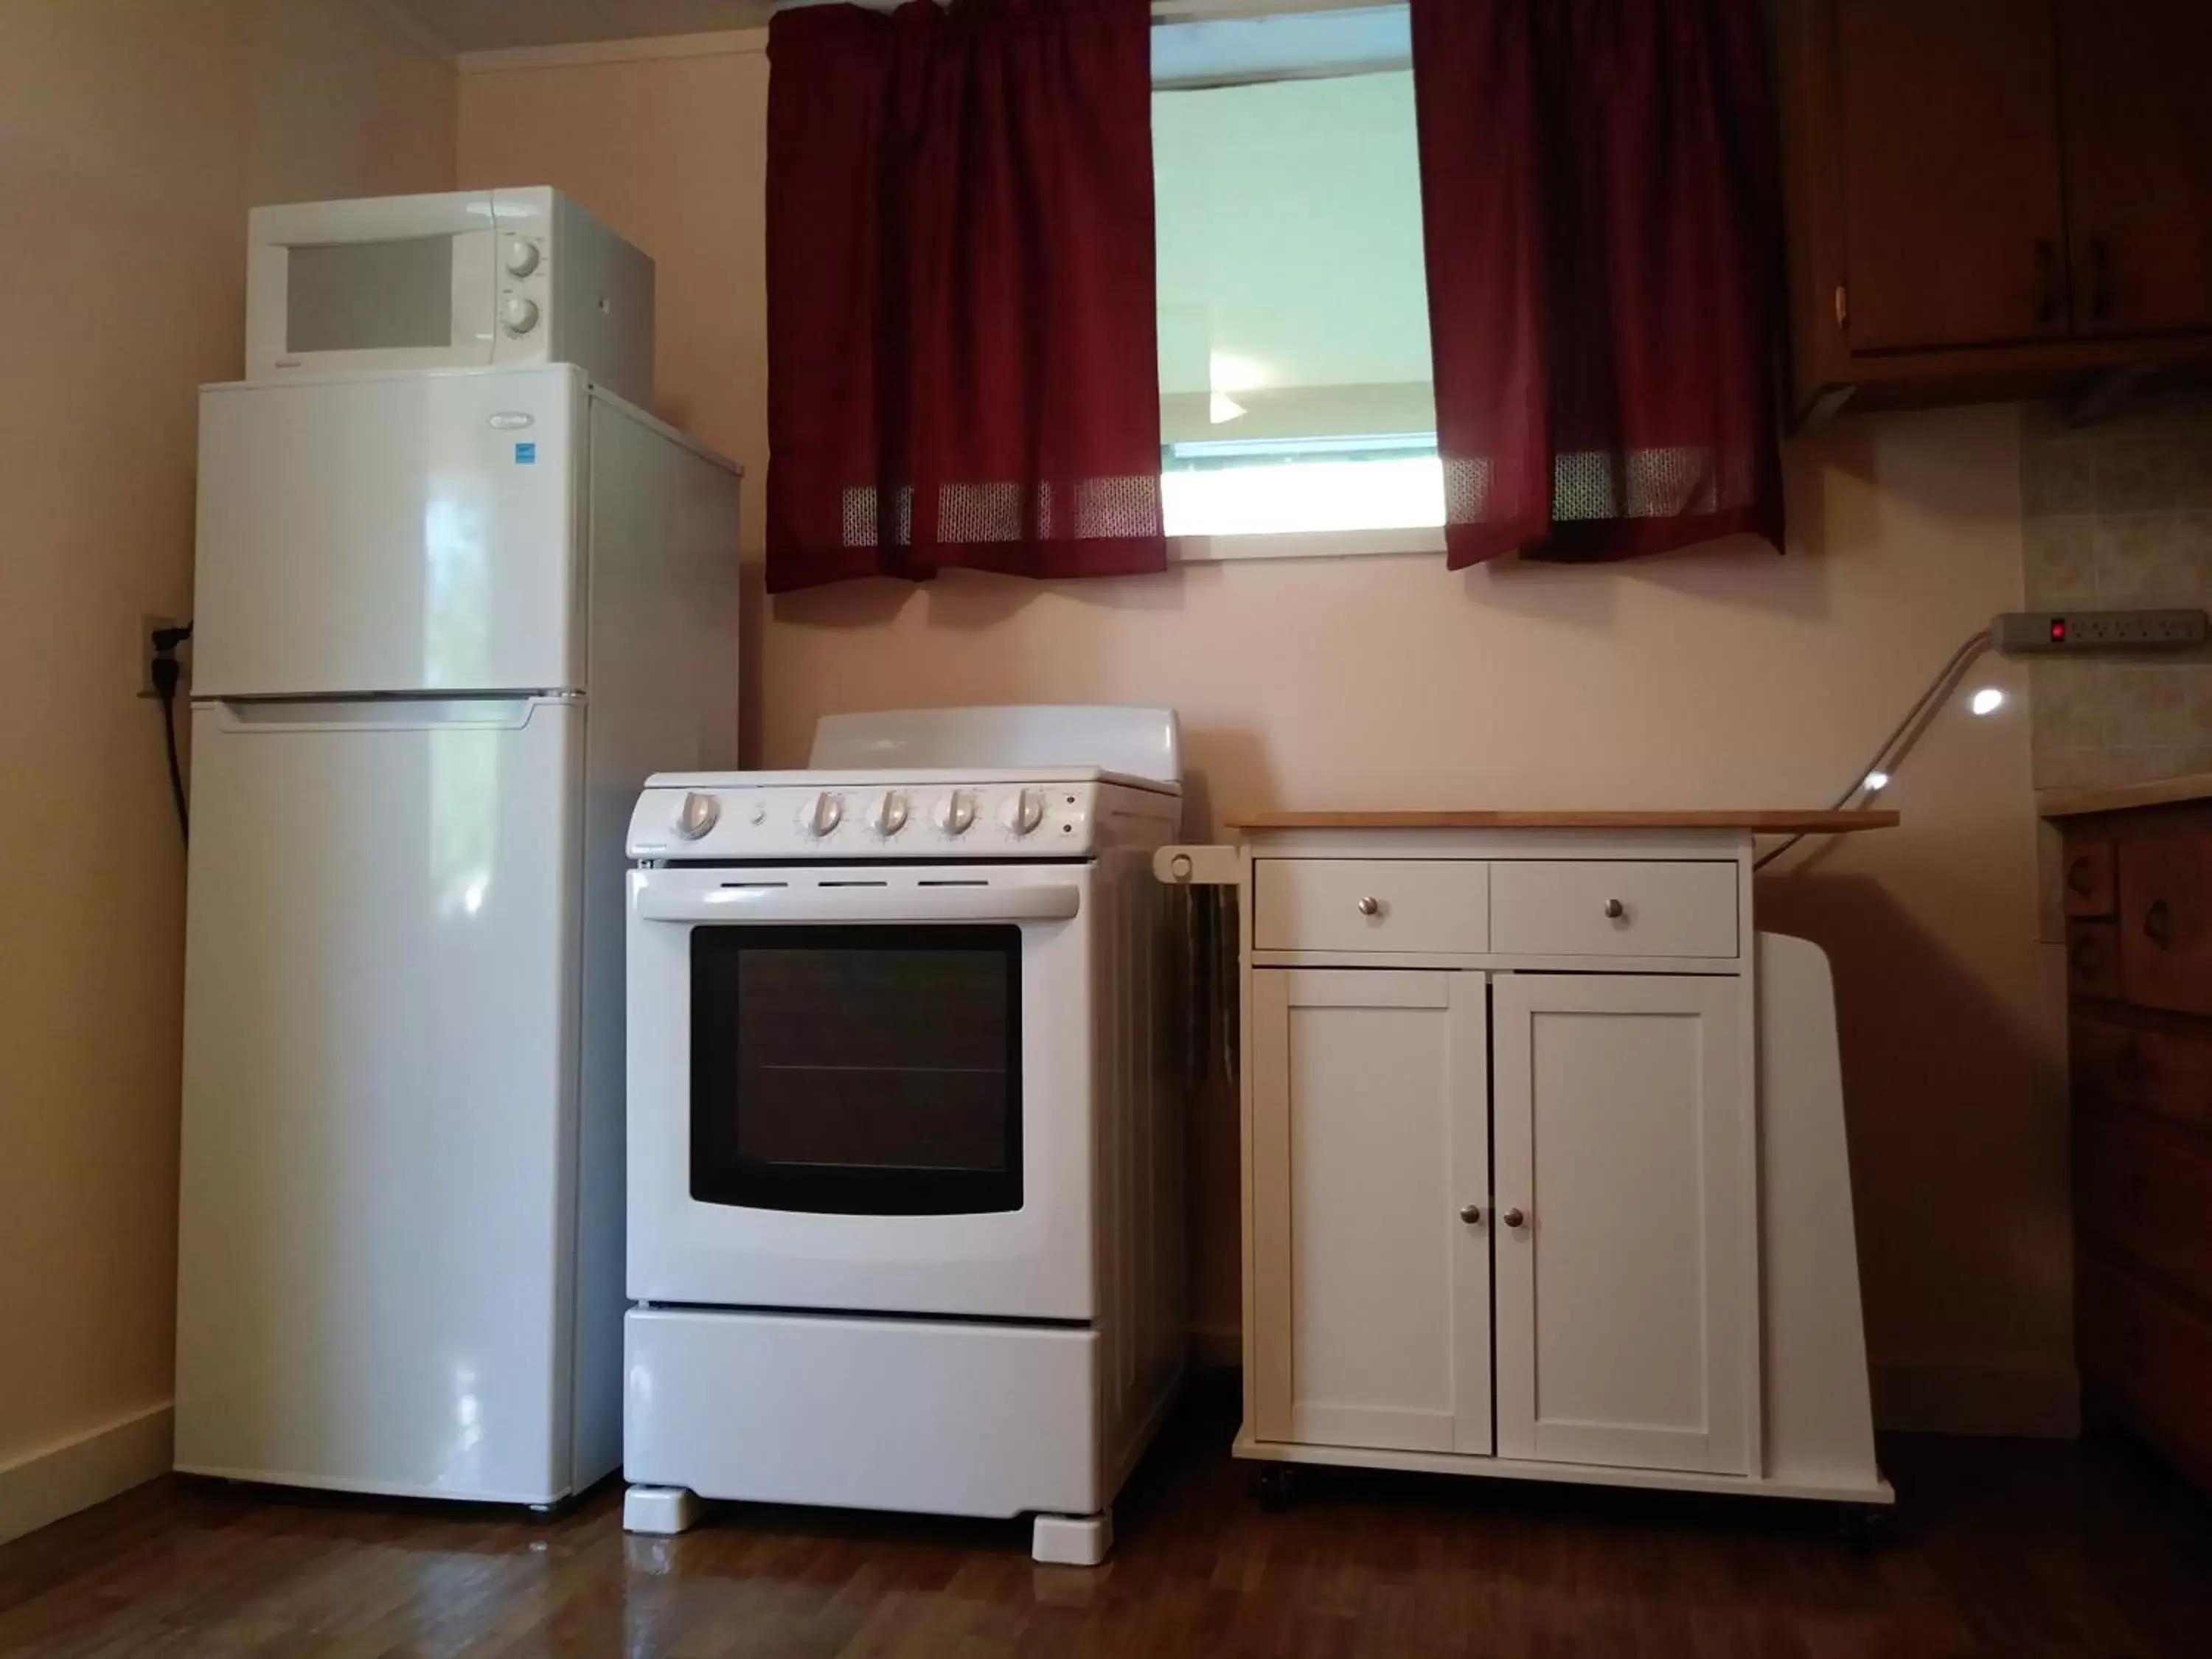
1273,1484
1860,1527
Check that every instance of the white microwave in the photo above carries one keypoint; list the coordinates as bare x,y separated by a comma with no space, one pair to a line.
465,279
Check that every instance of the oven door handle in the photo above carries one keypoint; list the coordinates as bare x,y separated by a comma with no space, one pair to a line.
782,905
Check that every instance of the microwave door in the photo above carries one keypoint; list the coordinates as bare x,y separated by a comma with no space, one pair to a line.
401,282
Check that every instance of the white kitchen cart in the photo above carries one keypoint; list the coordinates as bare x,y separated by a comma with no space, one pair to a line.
1544,1172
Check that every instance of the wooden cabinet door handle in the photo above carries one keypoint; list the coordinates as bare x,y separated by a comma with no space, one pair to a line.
2077,875
2101,278
2052,302
2157,924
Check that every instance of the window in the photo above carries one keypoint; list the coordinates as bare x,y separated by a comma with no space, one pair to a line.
1295,380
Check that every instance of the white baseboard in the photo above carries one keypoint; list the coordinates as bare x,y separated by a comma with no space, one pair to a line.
91,1468
2043,1404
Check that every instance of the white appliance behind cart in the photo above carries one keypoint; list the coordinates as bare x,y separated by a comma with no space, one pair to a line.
905,1155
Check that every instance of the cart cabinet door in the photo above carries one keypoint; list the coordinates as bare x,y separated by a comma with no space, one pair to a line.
1627,1272
1370,1135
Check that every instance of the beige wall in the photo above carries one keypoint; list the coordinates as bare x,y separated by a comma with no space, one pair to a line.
1726,677
133,136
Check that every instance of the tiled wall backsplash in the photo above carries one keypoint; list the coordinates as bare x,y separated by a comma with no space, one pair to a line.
2119,513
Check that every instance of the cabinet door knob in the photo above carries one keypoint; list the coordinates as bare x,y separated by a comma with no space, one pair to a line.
1614,909
1471,1214
1515,1218
2158,923
2077,876
1370,907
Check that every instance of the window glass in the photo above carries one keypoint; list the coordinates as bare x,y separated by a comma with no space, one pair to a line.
1294,330
369,296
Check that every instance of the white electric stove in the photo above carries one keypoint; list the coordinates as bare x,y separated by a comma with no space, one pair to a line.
905,1155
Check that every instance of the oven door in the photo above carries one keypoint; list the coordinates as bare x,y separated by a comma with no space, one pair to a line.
862,1089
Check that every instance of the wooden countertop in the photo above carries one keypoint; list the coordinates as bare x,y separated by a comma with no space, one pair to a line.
2165,792
1765,822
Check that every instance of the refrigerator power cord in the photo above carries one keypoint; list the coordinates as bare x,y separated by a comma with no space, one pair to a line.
166,672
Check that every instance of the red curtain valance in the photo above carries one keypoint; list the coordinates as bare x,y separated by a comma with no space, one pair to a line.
962,367
1599,186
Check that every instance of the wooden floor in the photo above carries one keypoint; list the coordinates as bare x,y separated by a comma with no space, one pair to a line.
2003,1548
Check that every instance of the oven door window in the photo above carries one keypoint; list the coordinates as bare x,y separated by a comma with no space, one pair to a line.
857,1070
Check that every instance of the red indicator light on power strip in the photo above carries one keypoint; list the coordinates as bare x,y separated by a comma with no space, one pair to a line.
2058,630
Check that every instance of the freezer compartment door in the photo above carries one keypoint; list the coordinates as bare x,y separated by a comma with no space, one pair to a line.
381,1036
395,533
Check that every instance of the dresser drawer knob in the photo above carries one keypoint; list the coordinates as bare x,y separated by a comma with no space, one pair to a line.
2158,923
2077,876
1370,907
1614,909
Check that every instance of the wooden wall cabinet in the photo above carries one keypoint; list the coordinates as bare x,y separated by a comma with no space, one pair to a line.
1504,1154
2138,882
1994,198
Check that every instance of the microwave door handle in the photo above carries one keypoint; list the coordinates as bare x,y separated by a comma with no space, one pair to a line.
739,905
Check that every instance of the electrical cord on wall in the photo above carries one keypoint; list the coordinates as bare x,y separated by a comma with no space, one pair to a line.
166,671
1904,737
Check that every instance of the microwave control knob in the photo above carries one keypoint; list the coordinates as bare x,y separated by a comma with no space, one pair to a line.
823,815
956,813
695,815
1023,812
520,315
522,256
889,816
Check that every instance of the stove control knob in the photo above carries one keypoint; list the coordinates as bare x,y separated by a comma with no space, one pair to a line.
889,816
956,813
695,815
824,815
1023,812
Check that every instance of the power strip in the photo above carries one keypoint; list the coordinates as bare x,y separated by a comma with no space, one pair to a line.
2053,633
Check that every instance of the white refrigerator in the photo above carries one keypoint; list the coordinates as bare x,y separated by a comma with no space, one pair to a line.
446,623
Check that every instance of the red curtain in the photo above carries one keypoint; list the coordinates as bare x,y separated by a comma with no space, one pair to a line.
1599,183
963,367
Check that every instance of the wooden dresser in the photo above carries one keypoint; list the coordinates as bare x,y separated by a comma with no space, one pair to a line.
2137,884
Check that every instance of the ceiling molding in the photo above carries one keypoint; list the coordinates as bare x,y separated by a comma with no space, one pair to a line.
411,29
721,43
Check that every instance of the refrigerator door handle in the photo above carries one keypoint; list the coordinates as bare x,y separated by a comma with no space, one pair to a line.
495,714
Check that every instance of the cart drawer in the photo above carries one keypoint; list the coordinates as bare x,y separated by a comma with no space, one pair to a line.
1389,906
